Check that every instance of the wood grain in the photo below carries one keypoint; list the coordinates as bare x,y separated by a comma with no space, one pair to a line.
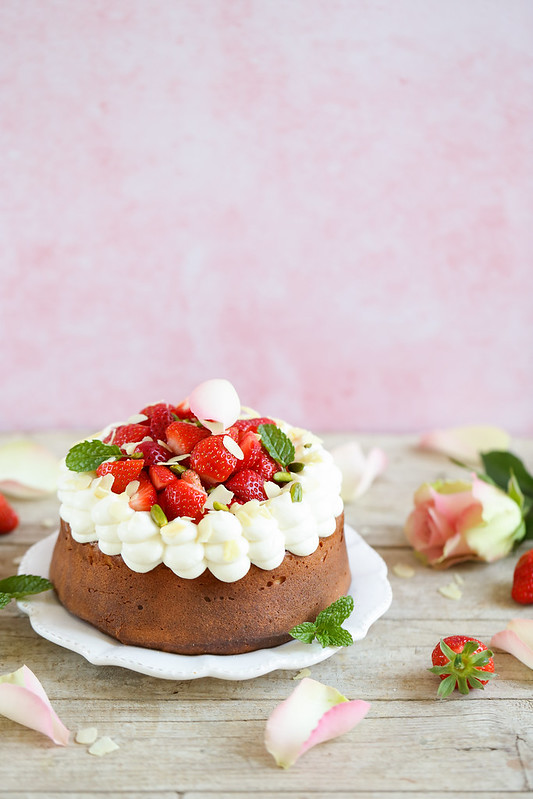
204,738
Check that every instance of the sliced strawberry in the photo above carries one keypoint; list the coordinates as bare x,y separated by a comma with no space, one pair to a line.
183,411
145,496
183,499
250,443
123,471
246,485
8,516
153,453
252,424
126,433
266,466
159,421
161,477
182,436
190,476
213,462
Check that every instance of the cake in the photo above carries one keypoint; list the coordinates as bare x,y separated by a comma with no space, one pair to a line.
200,528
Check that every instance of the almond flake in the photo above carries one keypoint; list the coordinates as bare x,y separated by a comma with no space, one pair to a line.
231,551
458,579
403,570
87,735
232,447
450,591
103,746
301,674
219,494
132,488
137,418
48,522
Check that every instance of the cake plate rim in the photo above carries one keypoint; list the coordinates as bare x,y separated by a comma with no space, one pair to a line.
370,588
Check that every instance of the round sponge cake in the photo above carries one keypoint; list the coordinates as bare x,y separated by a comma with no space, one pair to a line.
160,610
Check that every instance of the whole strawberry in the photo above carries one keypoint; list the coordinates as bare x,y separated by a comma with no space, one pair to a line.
8,517
522,590
462,663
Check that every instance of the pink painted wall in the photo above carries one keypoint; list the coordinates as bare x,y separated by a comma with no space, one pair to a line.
329,202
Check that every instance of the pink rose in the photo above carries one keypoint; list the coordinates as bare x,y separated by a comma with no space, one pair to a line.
453,521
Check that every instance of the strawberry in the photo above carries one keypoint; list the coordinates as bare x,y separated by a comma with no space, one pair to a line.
161,477
460,662
182,436
145,496
246,485
127,432
190,476
153,453
8,517
159,421
250,444
183,499
183,411
266,466
213,462
123,471
522,590
252,424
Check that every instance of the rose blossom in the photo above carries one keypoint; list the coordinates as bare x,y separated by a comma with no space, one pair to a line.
454,521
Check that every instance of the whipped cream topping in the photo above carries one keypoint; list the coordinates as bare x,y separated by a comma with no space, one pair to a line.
225,542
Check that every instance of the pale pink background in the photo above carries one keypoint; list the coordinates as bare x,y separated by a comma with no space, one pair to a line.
329,202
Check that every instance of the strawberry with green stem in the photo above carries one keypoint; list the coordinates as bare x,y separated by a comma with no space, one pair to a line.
461,662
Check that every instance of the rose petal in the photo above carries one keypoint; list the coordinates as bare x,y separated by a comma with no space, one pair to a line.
517,639
27,470
24,700
465,443
358,471
313,713
216,404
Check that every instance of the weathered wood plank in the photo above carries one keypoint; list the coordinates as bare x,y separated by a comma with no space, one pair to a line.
414,749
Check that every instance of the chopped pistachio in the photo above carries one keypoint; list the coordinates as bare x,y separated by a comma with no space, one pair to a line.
158,515
219,506
296,492
283,477
296,466
177,468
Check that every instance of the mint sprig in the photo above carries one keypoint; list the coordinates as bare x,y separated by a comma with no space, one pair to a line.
327,629
88,455
21,585
277,444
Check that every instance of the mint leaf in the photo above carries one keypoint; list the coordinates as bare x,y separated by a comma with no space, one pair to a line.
340,637
327,628
501,465
88,455
336,613
277,444
5,599
20,585
304,632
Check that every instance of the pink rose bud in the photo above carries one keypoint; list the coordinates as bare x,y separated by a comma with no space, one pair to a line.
453,521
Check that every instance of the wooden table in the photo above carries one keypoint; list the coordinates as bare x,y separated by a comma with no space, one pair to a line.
204,738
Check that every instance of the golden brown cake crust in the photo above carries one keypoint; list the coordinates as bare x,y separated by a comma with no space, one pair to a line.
160,610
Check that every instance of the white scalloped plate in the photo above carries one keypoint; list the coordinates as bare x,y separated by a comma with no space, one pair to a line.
370,588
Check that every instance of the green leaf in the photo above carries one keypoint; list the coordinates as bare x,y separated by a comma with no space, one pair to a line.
20,585
277,444
304,632
5,599
323,639
447,686
336,613
88,455
528,521
500,465
340,637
